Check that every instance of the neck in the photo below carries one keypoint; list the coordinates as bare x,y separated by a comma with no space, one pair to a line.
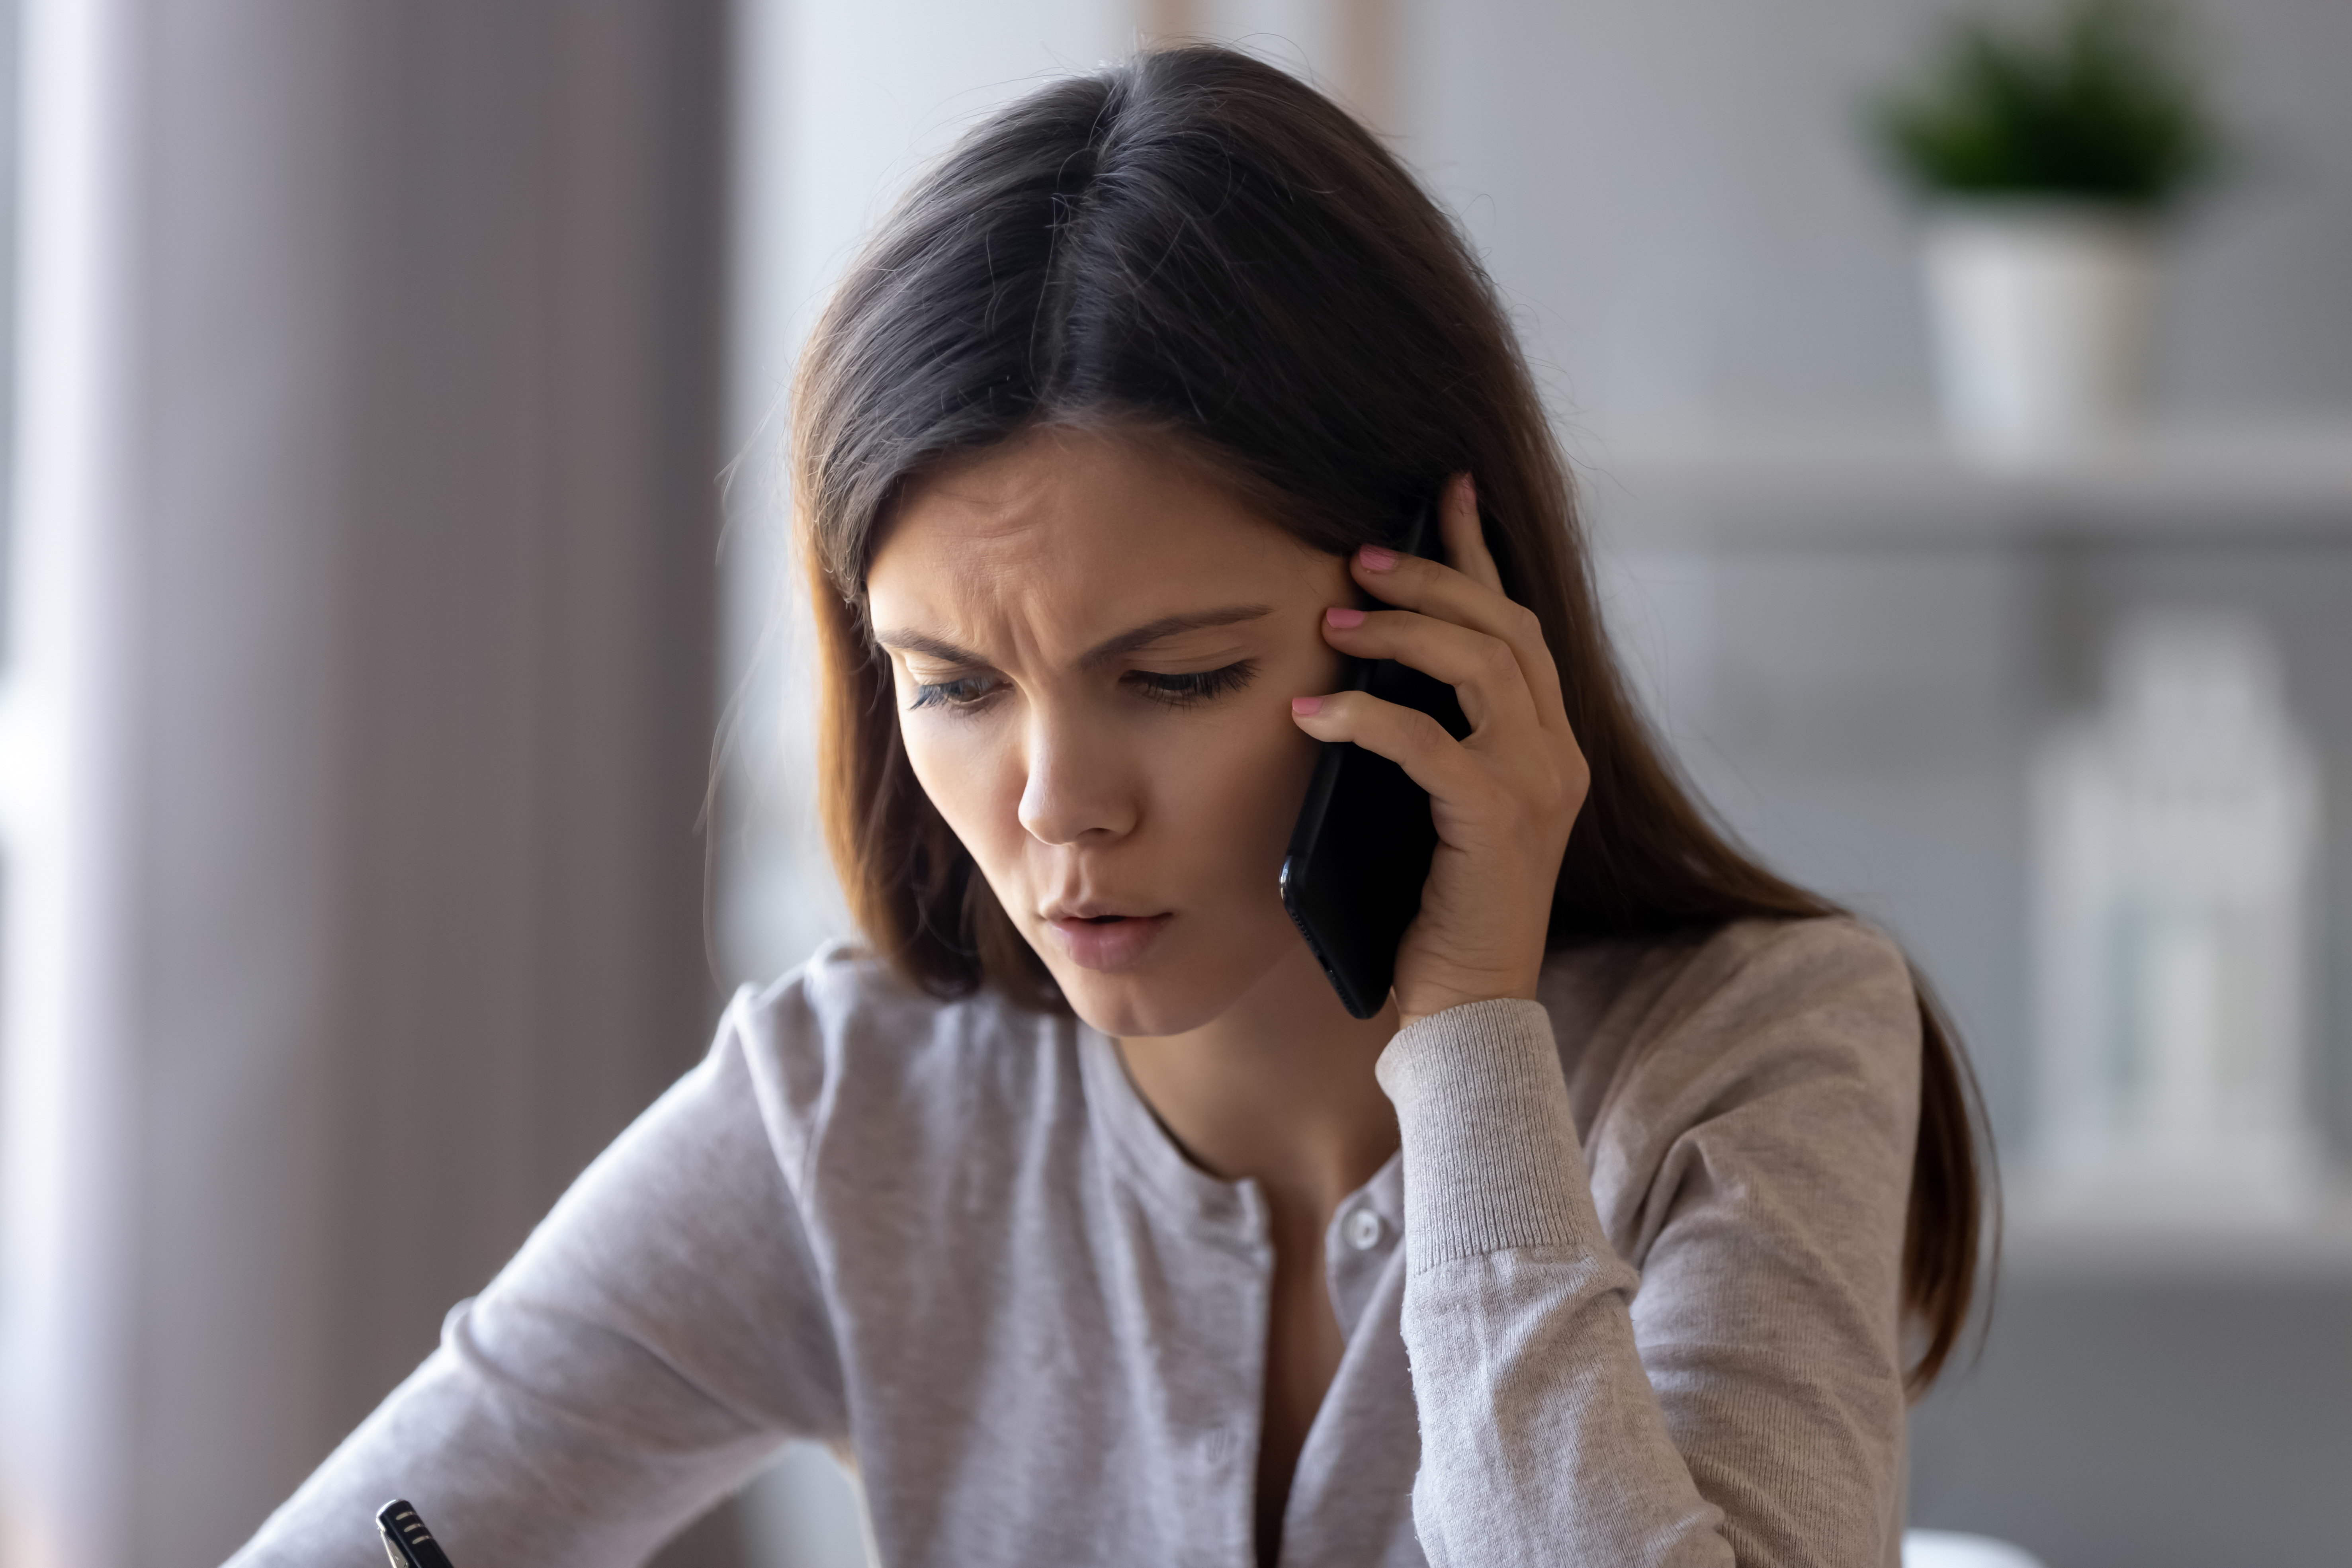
1278,1089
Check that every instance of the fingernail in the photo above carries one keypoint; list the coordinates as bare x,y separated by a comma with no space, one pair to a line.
1470,489
1306,707
1376,559
1342,617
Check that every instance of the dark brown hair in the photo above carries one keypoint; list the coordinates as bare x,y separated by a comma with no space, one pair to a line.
1197,245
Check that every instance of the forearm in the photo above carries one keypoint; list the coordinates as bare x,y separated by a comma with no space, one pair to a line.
662,1331
504,1476
1542,1439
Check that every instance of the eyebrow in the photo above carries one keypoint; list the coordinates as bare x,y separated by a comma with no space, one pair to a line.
1126,642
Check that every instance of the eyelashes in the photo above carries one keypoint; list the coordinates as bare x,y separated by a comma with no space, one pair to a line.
971,693
1184,690
959,696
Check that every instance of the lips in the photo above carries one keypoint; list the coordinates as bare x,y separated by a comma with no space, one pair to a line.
1100,939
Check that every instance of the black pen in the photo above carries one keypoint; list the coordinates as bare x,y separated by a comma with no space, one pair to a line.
411,1545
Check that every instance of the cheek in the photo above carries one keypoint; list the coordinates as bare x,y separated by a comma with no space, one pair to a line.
973,777
1231,792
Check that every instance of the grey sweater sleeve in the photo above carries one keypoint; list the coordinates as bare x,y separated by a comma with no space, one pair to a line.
658,1335
1742,1399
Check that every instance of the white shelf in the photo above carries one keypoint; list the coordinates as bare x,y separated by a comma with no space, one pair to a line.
1764,486
2048,1241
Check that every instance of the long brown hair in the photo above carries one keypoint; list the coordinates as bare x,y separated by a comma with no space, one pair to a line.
1197,244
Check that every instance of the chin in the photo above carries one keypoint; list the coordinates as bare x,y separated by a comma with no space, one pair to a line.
1138,1007
1174,995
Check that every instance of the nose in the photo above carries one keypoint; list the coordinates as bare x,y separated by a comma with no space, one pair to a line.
1079,788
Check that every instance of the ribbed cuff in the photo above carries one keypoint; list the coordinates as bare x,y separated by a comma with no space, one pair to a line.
1491,1160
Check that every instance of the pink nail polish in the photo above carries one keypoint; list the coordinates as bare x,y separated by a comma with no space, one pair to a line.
1306,707
1342,617
1376,559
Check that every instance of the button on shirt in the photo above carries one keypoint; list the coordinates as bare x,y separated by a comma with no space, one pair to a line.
950,1238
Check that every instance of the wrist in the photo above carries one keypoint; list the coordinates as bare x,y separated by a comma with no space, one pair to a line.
1491,1154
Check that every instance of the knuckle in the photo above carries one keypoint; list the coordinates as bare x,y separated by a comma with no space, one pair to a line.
1339,707
1427,733
1550,788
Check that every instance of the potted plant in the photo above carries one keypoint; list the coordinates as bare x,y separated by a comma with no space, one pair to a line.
2049,153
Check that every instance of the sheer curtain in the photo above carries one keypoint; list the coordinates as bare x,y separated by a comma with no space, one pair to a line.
356,726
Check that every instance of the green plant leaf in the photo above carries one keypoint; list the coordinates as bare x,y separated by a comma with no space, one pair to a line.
2101,103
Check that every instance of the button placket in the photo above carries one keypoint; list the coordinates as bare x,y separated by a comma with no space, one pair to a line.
1360,1244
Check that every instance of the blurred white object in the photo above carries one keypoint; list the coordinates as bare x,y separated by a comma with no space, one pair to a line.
2042,314
806,1510
1948,1549
2176,833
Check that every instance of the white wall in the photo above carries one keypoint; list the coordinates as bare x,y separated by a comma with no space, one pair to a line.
1679,198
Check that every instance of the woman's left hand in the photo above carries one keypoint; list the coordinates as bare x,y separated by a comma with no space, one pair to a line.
1503,799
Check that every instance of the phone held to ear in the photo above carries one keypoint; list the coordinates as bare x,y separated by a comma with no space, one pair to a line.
1361,853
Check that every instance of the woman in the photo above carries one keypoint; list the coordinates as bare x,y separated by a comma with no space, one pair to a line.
1075,1205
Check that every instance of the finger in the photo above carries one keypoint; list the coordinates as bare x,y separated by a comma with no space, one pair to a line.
1483,670
1405,736
1464,536
1412,584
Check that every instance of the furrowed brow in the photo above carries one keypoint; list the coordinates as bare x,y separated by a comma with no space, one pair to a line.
1126,642
1151,632
936,647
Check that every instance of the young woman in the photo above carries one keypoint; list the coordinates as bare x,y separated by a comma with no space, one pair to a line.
1074,1205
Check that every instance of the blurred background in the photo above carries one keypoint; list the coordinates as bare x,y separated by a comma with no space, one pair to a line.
393,521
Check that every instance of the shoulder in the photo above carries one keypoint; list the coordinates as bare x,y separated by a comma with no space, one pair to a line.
1738,977
845,1036
843,991
1774,1055
1736,1011
1836,974
1835,990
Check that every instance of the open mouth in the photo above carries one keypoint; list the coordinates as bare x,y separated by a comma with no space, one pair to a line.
1106,942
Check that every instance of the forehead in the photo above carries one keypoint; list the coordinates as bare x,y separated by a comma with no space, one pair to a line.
1066,535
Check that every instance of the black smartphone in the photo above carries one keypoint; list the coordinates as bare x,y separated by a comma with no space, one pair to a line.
1361,853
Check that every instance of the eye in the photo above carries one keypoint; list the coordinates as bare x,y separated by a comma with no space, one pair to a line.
964,694
1201,685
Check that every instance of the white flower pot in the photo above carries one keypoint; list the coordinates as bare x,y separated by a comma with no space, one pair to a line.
2042,315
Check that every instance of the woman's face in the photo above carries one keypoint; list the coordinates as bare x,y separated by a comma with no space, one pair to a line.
1096,647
